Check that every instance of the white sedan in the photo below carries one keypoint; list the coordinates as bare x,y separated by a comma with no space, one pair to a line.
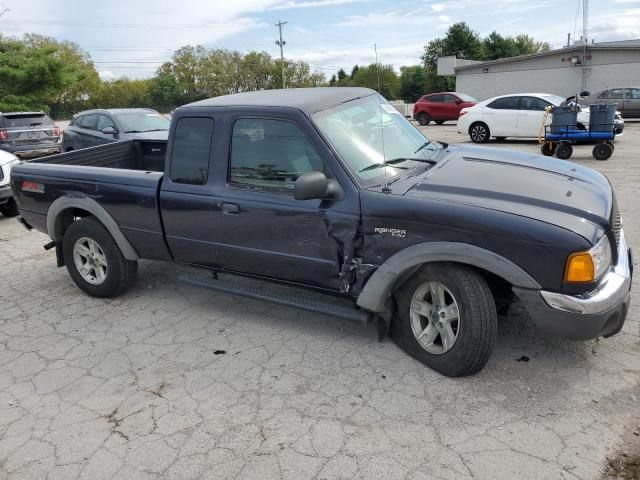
517,115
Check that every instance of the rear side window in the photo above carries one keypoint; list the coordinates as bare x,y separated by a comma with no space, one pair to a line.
616,93
450,98
191,150
26,121
436,98
533,103
270,154
505,103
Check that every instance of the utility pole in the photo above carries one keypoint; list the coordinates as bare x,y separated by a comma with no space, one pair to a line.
281,43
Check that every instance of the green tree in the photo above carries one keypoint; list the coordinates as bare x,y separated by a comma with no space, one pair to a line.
333,81
432,51
496,46
342,75
526,45
461,41
412,83
368,77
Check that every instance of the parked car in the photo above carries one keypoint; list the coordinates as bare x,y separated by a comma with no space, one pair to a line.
516,115
441,107
8,206
28,134
627,100
295,186
97,127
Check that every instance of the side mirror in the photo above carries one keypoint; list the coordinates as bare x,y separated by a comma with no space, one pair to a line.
312,185
109,131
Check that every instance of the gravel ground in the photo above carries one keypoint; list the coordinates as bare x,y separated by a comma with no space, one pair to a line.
171,381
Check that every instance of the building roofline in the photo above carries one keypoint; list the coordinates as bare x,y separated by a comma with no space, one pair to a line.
573,48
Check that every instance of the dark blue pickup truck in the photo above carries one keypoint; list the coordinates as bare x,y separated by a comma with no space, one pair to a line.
332,190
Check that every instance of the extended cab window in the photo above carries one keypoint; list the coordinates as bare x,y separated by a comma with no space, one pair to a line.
505,103
271,154
191,150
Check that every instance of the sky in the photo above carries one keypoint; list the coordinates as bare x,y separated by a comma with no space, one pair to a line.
132,38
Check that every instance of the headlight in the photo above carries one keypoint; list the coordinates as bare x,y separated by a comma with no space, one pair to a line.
590,265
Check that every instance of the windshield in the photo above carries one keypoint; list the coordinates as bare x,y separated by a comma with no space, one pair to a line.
555,99
357,130
143,121
466,98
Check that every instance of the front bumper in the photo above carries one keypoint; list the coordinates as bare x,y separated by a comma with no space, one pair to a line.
600,313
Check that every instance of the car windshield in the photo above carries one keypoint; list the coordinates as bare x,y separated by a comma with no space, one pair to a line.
143,121
369,131
555,99
466,98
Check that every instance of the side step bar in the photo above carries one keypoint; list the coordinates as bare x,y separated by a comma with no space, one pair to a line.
281,298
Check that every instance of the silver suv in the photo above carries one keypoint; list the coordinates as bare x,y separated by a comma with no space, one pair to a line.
29,134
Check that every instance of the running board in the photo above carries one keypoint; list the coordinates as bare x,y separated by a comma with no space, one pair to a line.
281,298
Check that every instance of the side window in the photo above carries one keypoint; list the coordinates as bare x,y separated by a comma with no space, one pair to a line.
90,122
450,98
436,98
105,122
616,93
633,93
191,150
505,103
533,103
270,154
75,121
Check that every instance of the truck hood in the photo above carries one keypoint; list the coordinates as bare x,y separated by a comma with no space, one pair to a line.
554,191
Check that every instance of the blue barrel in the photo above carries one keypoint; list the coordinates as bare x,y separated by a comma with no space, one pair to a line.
564,118
602,117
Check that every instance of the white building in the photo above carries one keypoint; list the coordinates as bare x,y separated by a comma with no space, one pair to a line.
566,71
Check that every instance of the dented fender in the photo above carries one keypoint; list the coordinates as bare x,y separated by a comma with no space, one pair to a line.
378,288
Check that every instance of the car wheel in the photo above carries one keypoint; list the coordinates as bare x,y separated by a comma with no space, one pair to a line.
564,151
548,149
439,122
446,318
602,151
94,260
9,208
479,132
424,119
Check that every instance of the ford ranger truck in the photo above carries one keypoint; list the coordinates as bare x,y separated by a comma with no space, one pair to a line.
332,190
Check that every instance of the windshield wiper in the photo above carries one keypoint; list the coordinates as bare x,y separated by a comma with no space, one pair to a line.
394,161
422,147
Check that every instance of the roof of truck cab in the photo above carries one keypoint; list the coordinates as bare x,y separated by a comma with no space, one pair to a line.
308,100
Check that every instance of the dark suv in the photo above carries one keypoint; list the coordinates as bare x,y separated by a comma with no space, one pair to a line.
29,134
441,107
97,127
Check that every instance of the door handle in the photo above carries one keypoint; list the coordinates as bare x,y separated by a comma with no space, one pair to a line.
230,209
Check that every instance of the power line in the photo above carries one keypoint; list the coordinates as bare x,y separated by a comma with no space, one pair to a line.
29,21
281,43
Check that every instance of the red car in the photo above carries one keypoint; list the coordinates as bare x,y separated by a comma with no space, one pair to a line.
441,107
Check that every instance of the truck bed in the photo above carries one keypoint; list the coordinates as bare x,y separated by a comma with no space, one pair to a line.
145,155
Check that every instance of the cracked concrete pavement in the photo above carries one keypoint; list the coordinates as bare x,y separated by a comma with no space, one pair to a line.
174,382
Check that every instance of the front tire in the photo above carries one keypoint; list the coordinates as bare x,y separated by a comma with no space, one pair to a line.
424,119
479,132
9,209
446,318
94,260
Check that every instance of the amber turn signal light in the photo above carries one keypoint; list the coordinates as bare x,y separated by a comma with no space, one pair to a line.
580,268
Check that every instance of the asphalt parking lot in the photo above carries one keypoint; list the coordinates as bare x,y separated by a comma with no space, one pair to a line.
174,382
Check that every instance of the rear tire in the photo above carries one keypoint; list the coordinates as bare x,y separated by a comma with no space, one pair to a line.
421,325
10,208
94,260
424,119
564,151
603,151
479,132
